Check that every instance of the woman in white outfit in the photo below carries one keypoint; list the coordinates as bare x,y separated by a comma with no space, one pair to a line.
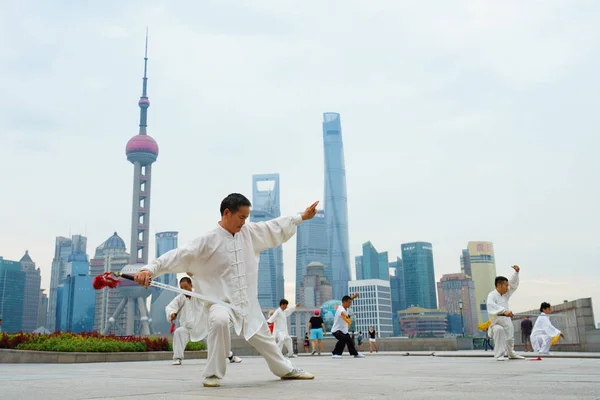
544,334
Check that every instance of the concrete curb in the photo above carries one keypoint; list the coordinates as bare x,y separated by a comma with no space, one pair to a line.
9,356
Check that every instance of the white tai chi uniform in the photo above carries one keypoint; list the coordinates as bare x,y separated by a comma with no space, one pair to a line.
189,322
280,329
501,329
225,267
542,334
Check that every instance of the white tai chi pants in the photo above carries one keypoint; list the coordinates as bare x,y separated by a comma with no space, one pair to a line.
541,343
181,337
282,338
219,345
503,333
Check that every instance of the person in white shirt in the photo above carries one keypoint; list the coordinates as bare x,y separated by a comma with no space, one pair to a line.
280,328
501,329
341,323
225,264
544,334
188,309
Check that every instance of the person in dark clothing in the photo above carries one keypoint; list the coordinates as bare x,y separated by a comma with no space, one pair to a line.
487,343
526,328
341,323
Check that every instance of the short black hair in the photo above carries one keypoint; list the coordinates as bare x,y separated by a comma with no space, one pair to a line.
346,298
233,202
500,280
185,279
283,302
544,306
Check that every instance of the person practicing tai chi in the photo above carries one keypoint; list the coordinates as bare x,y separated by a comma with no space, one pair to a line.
544,334
501,328
225,264
341,323
280,328
190,306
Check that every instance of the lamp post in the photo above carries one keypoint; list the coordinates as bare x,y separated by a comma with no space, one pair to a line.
462,324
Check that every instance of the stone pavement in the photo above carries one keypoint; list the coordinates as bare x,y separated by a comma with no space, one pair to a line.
378,376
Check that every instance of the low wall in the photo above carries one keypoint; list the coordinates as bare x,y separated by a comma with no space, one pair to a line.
241,348
53,357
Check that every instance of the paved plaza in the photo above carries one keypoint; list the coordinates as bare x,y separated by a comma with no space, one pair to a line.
378,376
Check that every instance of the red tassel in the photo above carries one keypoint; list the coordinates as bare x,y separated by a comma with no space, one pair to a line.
173,327
105,280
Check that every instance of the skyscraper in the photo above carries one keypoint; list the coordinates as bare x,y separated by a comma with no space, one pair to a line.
63,248
372,264
43,310
111,255
265,206
479,258
311,246
31,301
165,241
336,204
398,291
141,151
12,288
452,289
419,279
78,296
315,289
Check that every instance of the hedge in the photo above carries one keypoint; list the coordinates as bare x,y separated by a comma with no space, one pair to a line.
92,342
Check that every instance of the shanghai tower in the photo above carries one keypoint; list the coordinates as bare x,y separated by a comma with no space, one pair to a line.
336,204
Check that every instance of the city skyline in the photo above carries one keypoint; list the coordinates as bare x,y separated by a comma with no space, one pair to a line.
453,117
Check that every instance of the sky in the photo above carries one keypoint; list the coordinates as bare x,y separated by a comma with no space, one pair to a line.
462,121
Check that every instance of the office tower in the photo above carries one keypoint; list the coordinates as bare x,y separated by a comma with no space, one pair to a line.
456,294
336,204
479,259
31,301
78,298
311,246
165,241
266,206
315,289
12,291
373,307
419,280
398,291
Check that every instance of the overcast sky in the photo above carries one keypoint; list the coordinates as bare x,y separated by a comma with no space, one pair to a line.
462,120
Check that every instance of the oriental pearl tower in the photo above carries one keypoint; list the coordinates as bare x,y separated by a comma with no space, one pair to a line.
141,151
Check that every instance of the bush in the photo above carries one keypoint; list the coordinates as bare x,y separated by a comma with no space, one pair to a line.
195,346
82,342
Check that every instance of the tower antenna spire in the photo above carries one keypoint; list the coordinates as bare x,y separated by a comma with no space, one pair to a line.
144,103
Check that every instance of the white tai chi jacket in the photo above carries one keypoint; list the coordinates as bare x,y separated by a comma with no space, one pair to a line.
189,311
225,267
543,327
279,318
497,303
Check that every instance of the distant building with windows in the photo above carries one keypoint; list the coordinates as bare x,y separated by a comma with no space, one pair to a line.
373,307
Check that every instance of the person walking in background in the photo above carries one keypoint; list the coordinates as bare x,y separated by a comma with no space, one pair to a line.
526,328
316,327
487,343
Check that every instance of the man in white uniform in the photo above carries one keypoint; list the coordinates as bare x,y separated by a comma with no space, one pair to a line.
280,329
501,328
544,334
187,308
225,264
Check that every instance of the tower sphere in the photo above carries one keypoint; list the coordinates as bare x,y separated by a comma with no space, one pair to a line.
142,148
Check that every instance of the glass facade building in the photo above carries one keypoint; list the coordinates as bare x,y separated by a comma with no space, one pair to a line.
165,241
398,291
453,289
372,265
12,289
419,279
336,204
478,263
311,246
77,296
266,206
